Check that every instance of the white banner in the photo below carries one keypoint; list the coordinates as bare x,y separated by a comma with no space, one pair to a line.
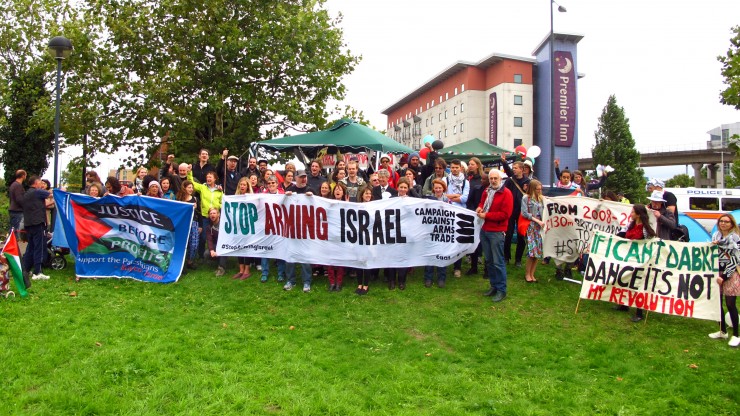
657,275
396,232
570,221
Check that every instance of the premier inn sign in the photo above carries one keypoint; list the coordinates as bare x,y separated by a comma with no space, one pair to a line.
565,99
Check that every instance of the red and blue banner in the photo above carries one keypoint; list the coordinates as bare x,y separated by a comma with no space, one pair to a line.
136,237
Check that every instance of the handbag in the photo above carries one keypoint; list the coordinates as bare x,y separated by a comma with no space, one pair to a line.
523,223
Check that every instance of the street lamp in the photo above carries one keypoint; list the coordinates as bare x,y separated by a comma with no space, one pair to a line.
561,9
59,48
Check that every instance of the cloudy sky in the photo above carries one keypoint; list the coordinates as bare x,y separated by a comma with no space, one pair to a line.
658,57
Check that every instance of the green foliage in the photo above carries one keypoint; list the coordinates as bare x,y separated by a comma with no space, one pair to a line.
680,181
25,144
616,147
339,113
731,71
213,74
214,346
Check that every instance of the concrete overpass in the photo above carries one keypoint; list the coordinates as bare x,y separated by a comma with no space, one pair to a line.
697,158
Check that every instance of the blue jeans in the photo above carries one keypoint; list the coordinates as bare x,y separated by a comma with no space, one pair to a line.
305,272
34,255
280,267
429,273
493,250
15,222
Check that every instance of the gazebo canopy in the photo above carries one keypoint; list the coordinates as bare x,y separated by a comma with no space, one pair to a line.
346,135
487,153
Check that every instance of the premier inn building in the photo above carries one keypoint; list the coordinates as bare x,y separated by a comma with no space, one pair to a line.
504,100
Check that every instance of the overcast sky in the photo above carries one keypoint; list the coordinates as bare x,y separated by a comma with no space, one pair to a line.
658,57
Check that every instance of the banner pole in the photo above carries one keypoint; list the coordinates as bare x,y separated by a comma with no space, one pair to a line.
647,312
577,305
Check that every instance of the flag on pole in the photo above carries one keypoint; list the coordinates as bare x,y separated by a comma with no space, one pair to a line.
12,254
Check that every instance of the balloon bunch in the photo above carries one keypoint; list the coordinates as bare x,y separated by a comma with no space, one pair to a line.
436,145
528,155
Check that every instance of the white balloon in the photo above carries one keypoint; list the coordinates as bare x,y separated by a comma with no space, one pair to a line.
534,151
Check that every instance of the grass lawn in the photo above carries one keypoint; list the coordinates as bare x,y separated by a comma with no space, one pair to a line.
212,346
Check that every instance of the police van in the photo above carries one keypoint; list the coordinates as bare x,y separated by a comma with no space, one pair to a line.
705,205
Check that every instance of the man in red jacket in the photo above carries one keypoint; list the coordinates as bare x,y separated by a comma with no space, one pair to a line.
495,208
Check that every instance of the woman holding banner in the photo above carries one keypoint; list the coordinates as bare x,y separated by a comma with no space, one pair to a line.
532,207
243,187
365,194
727,238
187,194
638,229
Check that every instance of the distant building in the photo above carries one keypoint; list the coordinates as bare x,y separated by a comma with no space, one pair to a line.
502,99
719,136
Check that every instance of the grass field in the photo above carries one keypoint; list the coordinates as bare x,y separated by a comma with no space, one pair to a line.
212,346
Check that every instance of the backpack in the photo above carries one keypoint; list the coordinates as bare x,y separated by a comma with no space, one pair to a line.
680,233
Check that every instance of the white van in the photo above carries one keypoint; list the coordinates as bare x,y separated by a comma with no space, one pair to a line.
706,204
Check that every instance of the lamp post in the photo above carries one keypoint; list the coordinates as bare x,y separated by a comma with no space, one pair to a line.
59,48
561,9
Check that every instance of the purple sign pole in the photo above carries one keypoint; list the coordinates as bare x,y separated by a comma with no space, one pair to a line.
564,90
492,119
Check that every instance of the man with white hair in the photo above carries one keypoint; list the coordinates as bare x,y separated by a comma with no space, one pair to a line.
495,208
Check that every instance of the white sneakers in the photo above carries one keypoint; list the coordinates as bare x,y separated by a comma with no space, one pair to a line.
39,276
718,335
734,341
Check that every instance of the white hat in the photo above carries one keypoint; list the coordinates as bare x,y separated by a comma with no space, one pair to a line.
657,196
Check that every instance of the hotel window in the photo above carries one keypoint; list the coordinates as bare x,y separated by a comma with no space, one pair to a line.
455,90
447,96
454,110
454,129
517,142
440,116
517,122
439,134
462,88
517,100
517,78
445,114
462,127
427,106
440,99
427,123
432,103
462,107
446,133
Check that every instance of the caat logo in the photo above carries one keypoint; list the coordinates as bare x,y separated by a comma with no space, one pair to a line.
465,228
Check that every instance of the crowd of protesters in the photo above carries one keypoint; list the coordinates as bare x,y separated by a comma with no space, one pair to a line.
501,199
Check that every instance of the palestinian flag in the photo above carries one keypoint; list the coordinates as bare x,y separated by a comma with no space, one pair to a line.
12,254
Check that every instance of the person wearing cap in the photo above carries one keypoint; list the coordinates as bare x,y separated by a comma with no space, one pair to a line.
666,220
154,190
230,176
528,169
671,201
414,163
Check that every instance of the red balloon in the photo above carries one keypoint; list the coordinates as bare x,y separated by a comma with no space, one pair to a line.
423,153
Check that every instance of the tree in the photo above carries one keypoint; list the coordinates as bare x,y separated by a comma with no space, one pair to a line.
680,181
731,71
25,145
616,147
214,74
